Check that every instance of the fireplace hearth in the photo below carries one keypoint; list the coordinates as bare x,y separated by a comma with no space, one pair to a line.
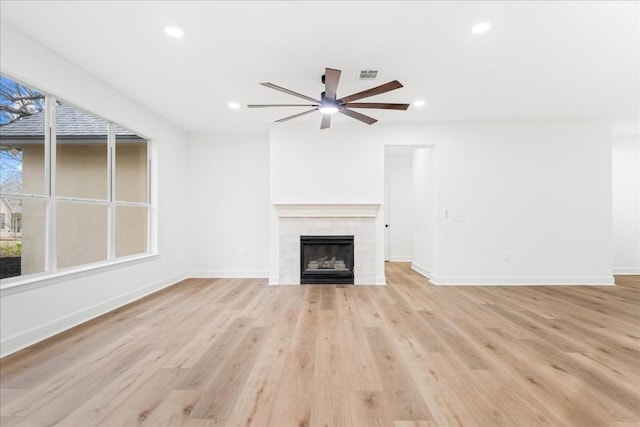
326,260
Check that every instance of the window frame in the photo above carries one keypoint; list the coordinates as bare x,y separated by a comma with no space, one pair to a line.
51,273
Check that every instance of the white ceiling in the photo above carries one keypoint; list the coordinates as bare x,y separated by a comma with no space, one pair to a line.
541,60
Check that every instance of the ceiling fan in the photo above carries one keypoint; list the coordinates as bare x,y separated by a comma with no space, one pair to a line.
328,104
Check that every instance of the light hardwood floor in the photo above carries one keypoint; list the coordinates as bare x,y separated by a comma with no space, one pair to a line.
235,352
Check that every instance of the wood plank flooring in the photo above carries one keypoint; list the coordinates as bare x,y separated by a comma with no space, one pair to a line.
236,352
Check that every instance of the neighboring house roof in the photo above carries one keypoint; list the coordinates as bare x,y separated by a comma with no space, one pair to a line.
70,123
10,206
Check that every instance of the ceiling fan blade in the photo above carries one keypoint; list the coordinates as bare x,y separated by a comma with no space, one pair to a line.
296,115
380,105
331,79
371,92
366,119
290,92
281,105
326,121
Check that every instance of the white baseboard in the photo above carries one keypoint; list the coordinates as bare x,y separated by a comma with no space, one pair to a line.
523,281
512,281
274,280
400,259
381,281
228,275
39,333
422,270
633,271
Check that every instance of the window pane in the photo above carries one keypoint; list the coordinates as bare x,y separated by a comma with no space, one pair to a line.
22,126
131,230
22,237
131,167
81,153
82,233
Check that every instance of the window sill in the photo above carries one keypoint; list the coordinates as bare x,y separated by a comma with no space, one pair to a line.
43,279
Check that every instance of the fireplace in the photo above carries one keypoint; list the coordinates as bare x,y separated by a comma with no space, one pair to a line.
359,221
326,260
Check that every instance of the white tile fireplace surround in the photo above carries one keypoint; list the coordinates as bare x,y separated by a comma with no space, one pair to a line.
358,220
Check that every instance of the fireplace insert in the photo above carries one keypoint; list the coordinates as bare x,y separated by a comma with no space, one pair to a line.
326,260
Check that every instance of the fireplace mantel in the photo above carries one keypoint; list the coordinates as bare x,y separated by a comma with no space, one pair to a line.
317,210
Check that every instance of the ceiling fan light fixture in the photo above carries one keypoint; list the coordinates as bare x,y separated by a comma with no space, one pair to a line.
481,27
174,32
328,109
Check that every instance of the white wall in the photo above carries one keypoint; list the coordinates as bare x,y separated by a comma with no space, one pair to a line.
398,171
337,165
229,205
527,203
626,204
536,193
340,165
31,313
423,209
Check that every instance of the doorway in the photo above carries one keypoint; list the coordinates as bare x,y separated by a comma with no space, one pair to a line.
409,205
398,203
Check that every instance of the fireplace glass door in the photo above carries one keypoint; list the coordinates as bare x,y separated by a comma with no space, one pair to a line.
326,260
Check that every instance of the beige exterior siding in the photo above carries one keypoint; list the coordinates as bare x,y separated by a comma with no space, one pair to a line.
81,171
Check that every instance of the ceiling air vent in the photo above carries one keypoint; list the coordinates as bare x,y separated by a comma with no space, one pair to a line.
368,74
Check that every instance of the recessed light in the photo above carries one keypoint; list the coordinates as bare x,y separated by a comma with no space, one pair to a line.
234,105
420,103
481,27
174,32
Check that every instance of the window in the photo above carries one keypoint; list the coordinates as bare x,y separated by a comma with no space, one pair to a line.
131,192
74,187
